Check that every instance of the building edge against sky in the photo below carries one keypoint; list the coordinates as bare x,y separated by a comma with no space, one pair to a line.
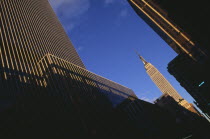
46,92
44,81
195,51
165,87
24,46
195,82
174,36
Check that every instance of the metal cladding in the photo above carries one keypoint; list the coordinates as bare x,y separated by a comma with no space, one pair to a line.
30,32
29,29
61,74
43,82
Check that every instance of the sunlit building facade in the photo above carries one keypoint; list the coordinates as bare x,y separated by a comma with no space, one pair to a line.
45,89
162,83
192,21
185,31
28,31
157,18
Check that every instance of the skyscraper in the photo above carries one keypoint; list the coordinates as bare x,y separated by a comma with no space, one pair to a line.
192,76
185,31
30,30
157,18
162,83
45,89
192,21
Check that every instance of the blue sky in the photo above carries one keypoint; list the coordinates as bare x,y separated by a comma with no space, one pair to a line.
106,34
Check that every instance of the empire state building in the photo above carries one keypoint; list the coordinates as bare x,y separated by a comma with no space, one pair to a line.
162,83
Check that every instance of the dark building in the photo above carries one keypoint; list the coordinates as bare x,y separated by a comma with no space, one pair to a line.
45,90
148,119
167,116
186,32
190,123
194,78
158,19
72,102
195,23
169,103
190,16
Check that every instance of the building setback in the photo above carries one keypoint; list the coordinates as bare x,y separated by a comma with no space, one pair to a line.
187,120
45,89
44,83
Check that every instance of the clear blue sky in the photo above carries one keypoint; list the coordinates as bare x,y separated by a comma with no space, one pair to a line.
105,33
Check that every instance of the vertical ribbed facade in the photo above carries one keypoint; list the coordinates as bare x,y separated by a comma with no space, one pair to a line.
53,67
30,32
29,29
45,89
161,82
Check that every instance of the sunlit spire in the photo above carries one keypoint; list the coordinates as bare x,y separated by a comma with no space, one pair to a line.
142,59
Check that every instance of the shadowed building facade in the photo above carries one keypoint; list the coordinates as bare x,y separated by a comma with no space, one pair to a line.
45,89
188,122
192,76
191,17
158,19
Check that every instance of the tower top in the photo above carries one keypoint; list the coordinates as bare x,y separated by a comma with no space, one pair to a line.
142,59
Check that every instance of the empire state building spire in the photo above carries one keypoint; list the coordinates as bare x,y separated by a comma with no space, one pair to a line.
142,59
162,83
